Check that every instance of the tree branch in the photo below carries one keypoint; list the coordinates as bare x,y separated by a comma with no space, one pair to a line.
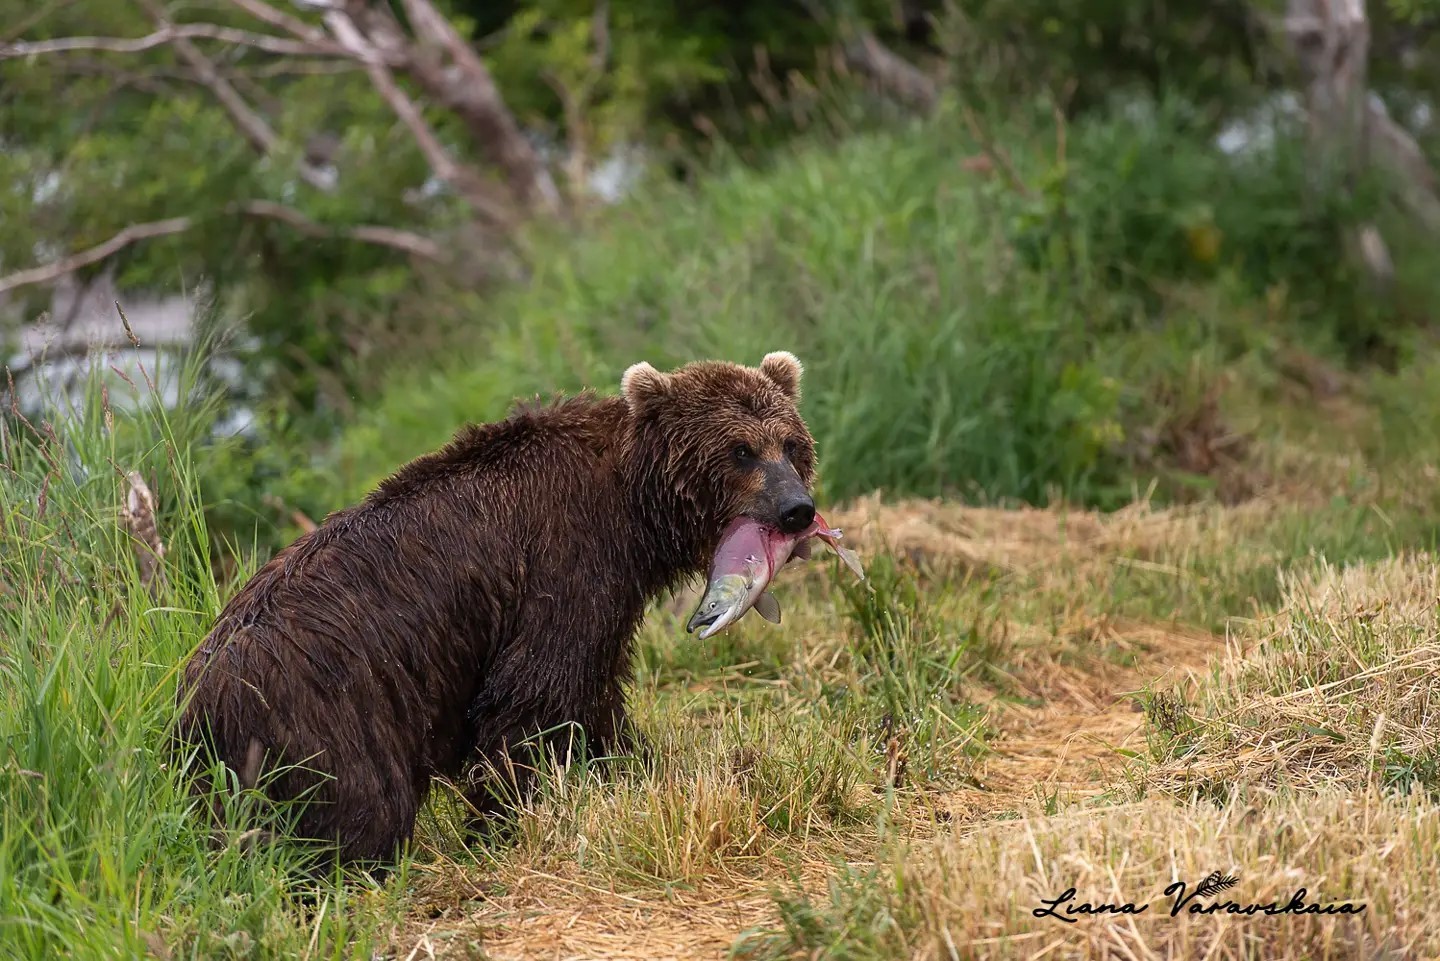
171,33
896,75
392,237
294,26
467,88
1392,145
1349,130
863,50
93,255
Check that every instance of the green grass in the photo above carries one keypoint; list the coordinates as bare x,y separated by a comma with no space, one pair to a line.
867,262
101,848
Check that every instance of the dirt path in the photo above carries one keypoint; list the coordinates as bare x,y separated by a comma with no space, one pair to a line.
1069,748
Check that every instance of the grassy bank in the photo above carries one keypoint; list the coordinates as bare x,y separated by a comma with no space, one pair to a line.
101,850
996,324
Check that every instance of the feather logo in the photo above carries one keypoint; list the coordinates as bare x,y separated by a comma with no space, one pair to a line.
1214,883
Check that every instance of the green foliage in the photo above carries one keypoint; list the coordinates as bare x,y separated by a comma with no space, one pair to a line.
1412,11
918,340
863,916
617,70
1144,199
911,662
658,72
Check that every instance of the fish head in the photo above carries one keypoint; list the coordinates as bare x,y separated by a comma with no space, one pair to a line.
725,600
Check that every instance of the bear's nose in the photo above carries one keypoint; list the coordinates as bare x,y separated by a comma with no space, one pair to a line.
796,515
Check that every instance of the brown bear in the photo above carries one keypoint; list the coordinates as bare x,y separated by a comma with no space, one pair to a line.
486,593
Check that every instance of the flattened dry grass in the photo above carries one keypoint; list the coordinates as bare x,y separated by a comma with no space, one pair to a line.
1338,689
1204,565
973,895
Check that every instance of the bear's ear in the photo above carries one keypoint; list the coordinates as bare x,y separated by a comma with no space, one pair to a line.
642,385
784,369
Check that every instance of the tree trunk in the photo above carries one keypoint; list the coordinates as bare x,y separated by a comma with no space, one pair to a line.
1331,40
1349,129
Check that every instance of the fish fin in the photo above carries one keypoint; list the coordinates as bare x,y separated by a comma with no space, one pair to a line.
768,608
851,559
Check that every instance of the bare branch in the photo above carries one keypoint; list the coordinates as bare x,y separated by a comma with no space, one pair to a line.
262,11
864,51
171,33
350,37
392,237
1392,145
891,71
93,255
156,80
467,88
297,68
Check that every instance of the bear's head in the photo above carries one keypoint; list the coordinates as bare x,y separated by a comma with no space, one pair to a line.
720,440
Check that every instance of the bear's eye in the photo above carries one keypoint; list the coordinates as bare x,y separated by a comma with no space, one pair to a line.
792,447
742,452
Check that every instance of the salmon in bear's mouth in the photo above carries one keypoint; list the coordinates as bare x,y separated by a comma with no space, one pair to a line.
747,560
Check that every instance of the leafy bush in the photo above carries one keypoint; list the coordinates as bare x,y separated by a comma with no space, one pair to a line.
1145,198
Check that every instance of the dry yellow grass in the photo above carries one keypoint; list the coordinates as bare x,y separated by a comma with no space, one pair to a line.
1352,652
1036,540
1337,689
1079,741
974,896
